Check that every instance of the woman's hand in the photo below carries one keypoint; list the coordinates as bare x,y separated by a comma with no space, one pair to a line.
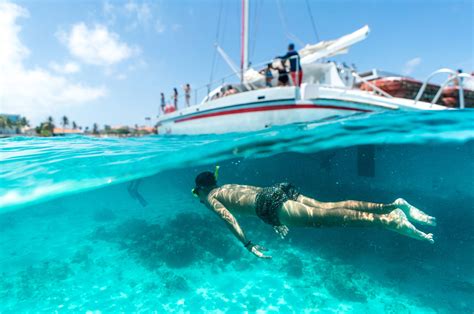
257,250
282,230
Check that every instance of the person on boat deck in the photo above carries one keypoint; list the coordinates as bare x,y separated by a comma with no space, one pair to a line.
220,93
268,75
230,91
282,206
282,74
162,102
187,94
457,81
175,98
296,71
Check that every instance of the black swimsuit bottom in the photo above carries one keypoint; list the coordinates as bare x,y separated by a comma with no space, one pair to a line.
270,199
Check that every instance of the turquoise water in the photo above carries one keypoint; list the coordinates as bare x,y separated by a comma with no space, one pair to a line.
72,239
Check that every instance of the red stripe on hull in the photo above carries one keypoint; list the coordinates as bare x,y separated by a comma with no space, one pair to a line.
269,108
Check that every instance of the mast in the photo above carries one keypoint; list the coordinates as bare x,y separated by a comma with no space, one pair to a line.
244,62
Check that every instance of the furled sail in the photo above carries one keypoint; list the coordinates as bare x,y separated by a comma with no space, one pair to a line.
312,53
324,49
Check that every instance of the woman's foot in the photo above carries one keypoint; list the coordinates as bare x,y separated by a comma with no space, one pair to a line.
398,222
414,213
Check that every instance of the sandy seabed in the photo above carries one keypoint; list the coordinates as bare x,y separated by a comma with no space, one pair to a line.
102,261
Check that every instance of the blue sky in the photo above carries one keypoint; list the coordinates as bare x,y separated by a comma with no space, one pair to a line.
108,61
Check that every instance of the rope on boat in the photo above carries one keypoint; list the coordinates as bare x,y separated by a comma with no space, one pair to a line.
288,34
312,21
215,44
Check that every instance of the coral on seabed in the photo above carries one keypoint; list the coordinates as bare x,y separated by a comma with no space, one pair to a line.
345,283
104,215
292,265
180,242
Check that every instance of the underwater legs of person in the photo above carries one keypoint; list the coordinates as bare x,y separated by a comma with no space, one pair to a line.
297,214
376,208
132,189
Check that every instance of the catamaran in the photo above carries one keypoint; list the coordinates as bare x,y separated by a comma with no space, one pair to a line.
327,90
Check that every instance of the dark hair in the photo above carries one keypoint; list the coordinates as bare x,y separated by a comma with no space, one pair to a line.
205,179
291,46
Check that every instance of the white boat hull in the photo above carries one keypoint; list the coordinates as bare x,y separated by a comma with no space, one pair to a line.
263,108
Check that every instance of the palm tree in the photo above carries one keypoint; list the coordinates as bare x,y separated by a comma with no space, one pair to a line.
95,129
48,125
24,122
74,125
65,122
3,122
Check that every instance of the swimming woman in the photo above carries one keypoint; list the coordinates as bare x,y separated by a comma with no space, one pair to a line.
282,206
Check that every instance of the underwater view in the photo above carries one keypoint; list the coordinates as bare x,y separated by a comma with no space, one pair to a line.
101,225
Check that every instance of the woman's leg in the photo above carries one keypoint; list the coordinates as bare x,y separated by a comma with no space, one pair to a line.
414,213
376,208
297,214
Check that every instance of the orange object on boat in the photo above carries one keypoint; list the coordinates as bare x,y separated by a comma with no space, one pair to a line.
402,87
169,108
451,97
405,87
451,102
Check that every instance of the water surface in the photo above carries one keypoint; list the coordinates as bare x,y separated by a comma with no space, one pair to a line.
73,239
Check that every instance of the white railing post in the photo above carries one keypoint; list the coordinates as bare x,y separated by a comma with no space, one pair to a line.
454,75
461,92
374,87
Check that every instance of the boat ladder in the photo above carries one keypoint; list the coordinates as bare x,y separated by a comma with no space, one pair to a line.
453,75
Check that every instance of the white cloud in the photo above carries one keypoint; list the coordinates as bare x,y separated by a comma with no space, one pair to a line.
36,92
67,68
410,65
137,14
96,45
140,12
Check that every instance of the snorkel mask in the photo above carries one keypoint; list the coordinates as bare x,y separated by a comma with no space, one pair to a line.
205,179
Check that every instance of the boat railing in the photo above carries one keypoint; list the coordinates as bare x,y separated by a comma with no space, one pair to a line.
197,93
372,85
453,75
203,92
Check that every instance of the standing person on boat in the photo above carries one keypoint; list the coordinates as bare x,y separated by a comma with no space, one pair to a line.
162,102
175,98
458,81
296,71
187,94
268,75
282,205
282,74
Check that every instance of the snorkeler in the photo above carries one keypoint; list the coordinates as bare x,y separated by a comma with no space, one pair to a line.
282,206
132,189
